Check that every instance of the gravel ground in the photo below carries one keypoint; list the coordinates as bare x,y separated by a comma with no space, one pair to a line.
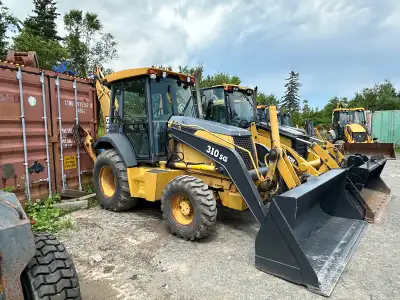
132,256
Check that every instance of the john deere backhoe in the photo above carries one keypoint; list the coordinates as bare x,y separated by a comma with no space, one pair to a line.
232,104
349,129
155,150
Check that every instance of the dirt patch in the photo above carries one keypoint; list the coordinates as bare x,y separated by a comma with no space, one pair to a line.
132,256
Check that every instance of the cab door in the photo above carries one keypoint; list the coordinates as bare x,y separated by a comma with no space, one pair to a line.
133,113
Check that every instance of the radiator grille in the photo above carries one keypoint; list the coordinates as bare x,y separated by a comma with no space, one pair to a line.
360,137
246,143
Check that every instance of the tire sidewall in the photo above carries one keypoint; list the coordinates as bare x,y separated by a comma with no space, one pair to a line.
167,208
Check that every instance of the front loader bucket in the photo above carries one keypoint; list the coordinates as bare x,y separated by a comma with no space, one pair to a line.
311,232
385,149
366,176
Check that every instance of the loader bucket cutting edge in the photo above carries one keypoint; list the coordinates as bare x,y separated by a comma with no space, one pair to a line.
385,149
373,189
311,232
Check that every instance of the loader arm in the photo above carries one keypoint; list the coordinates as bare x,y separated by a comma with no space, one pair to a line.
232,163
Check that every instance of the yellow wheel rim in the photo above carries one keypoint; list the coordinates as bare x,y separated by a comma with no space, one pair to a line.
182,209
107,182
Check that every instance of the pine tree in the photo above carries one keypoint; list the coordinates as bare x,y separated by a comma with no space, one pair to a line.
8,23
291,100
43,22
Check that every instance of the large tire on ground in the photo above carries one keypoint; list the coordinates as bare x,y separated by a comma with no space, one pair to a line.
51,273
110,182
189,207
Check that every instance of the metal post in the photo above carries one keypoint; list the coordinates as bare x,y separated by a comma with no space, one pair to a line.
61,136
255,104
46,133
78,156
21,98
198,94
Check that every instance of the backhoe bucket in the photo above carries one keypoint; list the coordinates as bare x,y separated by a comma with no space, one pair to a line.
366,176
385,149
311,232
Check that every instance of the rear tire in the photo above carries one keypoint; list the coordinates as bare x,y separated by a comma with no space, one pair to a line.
51,273
110,182
189,207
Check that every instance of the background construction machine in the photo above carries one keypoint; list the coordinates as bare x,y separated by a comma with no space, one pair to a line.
155,150
232,104
32,266
349,129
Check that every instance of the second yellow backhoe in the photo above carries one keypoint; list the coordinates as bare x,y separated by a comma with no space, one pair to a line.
232,104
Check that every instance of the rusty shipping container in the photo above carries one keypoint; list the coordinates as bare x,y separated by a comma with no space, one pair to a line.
38,154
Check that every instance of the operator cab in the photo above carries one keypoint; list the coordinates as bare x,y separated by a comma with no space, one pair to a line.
343,117
228,104
284,119
142,102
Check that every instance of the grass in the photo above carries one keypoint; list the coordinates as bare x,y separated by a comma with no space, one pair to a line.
397,149
47,217
8,189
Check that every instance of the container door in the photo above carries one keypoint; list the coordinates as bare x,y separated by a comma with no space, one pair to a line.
74,168
23,162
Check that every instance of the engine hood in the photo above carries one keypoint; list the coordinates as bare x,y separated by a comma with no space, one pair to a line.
214,127
357,128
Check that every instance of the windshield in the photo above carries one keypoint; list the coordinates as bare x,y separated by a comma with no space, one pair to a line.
349,117
171,96
284,119
241,105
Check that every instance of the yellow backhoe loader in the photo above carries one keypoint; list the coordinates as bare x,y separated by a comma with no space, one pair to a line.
349,129
233,105
155,150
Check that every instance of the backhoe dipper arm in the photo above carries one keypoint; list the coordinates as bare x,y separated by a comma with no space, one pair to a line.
232,163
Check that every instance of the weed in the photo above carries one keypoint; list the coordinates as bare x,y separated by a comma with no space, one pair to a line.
88,188
46,216
8,189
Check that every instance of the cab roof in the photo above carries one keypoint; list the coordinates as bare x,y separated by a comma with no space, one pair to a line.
348,109
137,72
228,86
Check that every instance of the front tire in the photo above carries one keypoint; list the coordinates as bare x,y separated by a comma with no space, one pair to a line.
51,273
189,207
110,181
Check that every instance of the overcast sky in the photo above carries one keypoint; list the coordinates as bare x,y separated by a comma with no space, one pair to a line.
337,46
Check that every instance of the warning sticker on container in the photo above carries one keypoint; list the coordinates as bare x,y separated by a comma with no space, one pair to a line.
69,162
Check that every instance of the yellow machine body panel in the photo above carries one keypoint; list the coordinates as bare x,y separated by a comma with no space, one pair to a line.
354,128
148,183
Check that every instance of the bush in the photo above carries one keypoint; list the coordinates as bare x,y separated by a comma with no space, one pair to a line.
47,217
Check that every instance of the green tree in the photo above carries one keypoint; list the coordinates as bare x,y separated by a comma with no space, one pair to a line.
43,22
88,45
382,96
264,99
291,100
49,52
218,79
7,23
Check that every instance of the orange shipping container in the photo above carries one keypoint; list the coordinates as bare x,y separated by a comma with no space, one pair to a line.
35,163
